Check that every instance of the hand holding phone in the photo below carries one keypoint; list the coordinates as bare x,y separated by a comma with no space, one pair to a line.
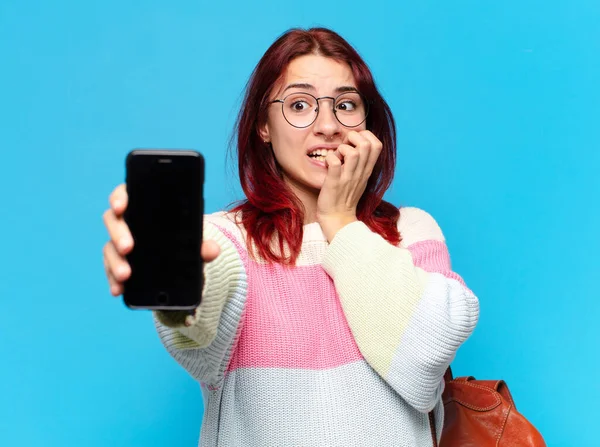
118,250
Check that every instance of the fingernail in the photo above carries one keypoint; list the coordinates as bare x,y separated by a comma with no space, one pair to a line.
117,204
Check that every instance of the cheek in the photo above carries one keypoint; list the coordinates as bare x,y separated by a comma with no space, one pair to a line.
279,130
289,139
347,130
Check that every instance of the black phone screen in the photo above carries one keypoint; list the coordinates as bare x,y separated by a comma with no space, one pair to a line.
164,214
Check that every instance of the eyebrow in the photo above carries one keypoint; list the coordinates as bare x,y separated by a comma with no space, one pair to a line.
342,89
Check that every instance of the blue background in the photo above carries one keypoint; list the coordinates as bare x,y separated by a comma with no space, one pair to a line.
497,106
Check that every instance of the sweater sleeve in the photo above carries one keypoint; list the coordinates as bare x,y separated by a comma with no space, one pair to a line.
407,310
202,341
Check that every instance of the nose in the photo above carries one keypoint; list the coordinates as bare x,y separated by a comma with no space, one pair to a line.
326,123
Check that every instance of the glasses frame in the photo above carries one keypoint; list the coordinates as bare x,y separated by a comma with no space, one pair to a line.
333,101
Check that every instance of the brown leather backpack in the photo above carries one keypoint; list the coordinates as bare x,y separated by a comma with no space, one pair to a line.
482,413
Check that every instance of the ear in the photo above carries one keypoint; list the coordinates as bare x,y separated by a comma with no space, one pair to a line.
264,133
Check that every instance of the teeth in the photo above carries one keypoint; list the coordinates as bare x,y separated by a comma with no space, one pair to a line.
320,152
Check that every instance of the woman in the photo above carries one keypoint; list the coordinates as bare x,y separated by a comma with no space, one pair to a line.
328,316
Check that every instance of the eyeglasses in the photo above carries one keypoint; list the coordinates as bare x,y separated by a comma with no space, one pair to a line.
302,109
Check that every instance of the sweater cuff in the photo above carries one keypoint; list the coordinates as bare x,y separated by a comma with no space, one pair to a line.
354,241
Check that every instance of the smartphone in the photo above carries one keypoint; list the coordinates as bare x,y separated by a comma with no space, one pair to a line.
164,214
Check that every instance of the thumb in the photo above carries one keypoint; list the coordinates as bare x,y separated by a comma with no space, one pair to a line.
210,250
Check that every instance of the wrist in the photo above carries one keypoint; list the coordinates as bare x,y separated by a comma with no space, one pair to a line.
332,223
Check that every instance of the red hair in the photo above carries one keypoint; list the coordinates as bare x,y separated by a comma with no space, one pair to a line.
272,214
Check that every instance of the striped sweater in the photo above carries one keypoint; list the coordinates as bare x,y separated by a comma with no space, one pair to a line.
346,348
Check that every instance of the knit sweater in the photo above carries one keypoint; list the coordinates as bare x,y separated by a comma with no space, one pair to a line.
346,348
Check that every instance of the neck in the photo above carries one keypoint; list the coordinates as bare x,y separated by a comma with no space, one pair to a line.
310,211
309,198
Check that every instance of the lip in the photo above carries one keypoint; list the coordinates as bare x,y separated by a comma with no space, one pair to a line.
322,146
318,163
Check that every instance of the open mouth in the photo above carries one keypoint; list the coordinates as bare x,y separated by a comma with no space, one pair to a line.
319,154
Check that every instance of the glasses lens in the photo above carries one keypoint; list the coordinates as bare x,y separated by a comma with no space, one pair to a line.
300,109
350,109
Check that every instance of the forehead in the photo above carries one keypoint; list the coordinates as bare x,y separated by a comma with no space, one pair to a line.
323,73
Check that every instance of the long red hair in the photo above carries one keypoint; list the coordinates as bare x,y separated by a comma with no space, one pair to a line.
272,214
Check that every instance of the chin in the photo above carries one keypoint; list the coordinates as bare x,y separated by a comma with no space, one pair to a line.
318,184
312,183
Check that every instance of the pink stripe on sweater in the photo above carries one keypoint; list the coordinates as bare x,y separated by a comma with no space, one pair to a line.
293,319
433,257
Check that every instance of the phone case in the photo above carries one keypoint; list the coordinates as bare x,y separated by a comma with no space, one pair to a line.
164,214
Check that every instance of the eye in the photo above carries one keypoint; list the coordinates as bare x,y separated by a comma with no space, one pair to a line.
299,105
346,105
